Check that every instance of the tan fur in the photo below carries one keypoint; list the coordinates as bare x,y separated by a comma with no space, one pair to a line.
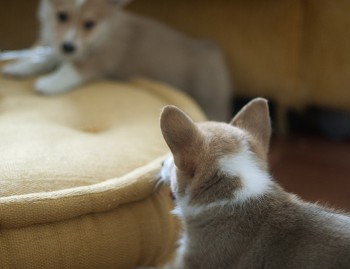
185,139
96,11
224,227
254,118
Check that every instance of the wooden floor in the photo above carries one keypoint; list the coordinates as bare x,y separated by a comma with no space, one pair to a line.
315,168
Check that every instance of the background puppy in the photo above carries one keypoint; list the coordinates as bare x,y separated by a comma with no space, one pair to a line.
97,38
234,215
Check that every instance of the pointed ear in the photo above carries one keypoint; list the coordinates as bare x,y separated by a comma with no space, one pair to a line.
119,2
182,136
255,119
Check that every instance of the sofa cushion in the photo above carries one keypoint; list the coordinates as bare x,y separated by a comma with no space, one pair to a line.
77,176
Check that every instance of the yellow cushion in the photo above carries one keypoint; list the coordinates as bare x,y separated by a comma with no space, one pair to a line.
77,173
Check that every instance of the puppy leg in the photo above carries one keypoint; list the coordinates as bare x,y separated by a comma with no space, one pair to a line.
31,66
62,80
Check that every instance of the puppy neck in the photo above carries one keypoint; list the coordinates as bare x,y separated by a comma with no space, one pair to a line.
252,183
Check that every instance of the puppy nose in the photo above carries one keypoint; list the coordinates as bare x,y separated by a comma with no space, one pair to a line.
68,48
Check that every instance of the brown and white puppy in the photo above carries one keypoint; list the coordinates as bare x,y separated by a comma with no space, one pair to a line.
234,215
93,39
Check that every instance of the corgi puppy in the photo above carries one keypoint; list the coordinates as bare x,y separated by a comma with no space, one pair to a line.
93,39
234,214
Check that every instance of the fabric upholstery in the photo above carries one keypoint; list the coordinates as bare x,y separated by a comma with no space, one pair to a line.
77,176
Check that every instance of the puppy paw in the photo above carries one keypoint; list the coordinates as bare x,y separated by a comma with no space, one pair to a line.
47,85
18,69
60,81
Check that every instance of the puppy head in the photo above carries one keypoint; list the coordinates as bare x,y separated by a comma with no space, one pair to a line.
80,26
211,160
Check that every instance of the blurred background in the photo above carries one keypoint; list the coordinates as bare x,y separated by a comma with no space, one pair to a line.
296,53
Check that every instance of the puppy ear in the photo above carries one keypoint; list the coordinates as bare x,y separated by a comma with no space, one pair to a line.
182,136
255,119
119,2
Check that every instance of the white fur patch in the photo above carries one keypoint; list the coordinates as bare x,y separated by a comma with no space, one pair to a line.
64,79
29,66
167,172
255,181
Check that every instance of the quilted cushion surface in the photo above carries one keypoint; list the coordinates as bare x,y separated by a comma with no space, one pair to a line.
77,176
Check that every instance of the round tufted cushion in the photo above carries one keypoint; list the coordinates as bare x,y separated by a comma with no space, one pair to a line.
77,176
